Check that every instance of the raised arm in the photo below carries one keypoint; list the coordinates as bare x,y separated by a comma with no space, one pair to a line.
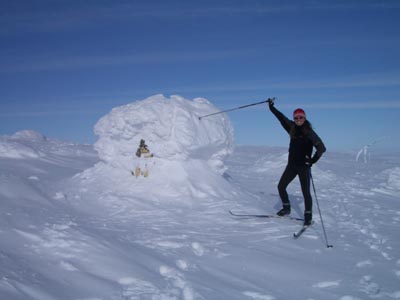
285,122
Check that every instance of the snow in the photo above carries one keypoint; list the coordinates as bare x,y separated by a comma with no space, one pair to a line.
75,224
16,147
171,126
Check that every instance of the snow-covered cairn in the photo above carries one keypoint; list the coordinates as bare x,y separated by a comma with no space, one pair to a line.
170,127
189,153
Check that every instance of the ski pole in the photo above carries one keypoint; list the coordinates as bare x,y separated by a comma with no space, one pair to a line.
319,210
236,108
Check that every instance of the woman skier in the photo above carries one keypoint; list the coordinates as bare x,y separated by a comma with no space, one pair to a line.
302,140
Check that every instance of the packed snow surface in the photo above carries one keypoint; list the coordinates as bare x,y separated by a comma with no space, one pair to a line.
75,224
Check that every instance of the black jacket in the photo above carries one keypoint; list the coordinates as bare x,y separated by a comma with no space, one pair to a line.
301,141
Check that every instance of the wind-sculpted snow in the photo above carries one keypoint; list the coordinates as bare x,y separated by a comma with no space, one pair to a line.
21,145
170,127
189,153
391,184
29,136
73,227
107,235
31,144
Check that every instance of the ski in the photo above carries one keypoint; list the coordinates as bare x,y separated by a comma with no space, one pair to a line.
297,234
264,216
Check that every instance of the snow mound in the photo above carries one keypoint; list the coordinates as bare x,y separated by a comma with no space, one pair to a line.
29,135
29,144
170,127
21,145
392,177
12,149
188,161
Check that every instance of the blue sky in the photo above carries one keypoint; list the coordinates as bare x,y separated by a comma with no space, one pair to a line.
64,64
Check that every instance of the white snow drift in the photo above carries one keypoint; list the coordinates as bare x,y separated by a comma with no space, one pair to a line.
170,127
186,150
76,228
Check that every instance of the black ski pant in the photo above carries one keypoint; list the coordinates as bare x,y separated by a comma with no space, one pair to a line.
287,177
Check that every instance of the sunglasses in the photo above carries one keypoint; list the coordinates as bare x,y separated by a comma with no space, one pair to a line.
299,118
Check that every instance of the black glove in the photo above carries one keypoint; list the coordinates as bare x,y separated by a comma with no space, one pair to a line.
311,161
271,102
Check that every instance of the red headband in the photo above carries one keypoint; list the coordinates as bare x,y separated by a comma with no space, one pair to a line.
299,112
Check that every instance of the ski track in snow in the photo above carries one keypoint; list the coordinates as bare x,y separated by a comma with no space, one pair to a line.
108,244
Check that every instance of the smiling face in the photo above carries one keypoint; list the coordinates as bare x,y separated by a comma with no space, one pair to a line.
299,120
299,116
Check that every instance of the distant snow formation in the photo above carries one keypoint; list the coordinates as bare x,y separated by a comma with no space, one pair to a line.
22,144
